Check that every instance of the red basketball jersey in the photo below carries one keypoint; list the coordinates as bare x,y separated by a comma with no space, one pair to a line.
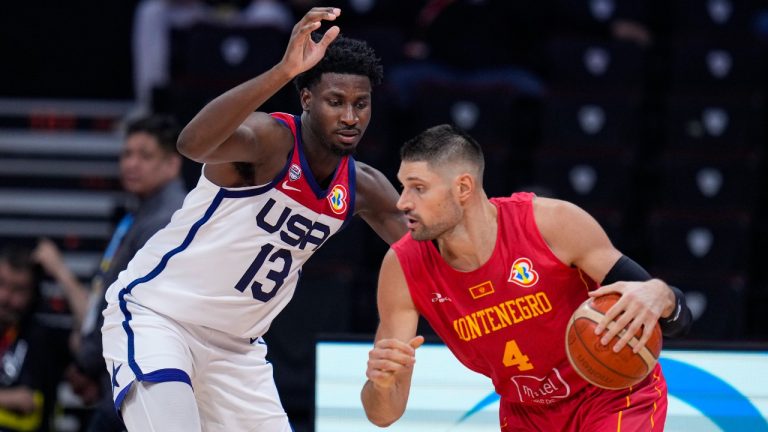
506,319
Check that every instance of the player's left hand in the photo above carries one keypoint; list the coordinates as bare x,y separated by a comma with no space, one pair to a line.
639,309
302,53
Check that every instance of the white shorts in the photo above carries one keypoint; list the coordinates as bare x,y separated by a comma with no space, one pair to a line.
231,378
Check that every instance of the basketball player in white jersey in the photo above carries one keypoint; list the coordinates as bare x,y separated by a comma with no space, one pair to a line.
182,332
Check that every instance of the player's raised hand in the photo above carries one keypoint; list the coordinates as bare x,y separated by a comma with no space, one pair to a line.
639,308
390,357
302,52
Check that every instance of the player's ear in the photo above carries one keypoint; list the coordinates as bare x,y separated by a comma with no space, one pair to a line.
305,96
465,186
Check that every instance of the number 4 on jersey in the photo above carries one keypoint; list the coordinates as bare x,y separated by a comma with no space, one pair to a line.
513,357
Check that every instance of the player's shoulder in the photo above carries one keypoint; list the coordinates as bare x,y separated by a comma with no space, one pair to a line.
363,169
563,222
278,129
367,178
555,208
269,139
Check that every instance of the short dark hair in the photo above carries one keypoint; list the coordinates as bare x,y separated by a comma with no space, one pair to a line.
444,143
344,56
163,127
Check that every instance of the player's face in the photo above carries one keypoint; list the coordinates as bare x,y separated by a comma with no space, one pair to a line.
427,200
144,166
16,289
339,109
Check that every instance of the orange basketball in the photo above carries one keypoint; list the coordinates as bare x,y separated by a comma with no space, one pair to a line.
597,363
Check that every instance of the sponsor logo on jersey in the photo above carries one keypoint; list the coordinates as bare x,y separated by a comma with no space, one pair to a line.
286,186
522,273
482,290
542,390
338,199
294,172
439,298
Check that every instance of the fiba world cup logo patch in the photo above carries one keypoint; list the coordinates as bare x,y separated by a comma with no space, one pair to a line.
294,172
338,199
522,273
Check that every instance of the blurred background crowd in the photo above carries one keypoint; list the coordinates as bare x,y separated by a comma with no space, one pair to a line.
650,114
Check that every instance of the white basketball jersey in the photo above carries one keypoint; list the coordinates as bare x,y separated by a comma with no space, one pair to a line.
230,258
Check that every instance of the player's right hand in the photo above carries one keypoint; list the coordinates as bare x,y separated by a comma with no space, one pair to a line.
302,52
389,358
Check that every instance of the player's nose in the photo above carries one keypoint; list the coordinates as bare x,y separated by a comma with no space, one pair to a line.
349,115
404,204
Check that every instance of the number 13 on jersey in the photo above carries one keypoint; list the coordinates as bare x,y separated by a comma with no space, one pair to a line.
278,277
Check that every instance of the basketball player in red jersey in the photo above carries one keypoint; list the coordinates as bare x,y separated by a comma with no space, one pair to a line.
498,279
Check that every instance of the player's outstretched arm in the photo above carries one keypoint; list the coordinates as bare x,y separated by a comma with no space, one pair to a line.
220,133
391,361
376,203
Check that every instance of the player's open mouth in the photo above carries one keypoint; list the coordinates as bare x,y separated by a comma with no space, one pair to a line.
412,223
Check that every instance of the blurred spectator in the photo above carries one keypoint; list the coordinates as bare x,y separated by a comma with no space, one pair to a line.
149,169
27,389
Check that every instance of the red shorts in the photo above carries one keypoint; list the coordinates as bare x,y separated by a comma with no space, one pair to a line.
639,408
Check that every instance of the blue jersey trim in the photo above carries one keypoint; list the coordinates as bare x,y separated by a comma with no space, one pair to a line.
158,376
159,268
282,121
168,375
251,192
309,175
120,397
258,190
215,202
352,193
220,196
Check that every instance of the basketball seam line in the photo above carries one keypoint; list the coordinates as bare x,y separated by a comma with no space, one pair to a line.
596,316
600,361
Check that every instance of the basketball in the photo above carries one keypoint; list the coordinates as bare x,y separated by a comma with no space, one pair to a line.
597,363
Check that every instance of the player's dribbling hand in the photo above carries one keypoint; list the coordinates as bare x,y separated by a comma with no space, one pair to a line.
639,308
302,52
390,357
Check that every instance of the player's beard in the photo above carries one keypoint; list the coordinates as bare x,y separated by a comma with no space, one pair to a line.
342,151
450,217
336,150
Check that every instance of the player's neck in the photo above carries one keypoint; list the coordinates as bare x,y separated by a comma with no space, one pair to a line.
322,161
471,243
